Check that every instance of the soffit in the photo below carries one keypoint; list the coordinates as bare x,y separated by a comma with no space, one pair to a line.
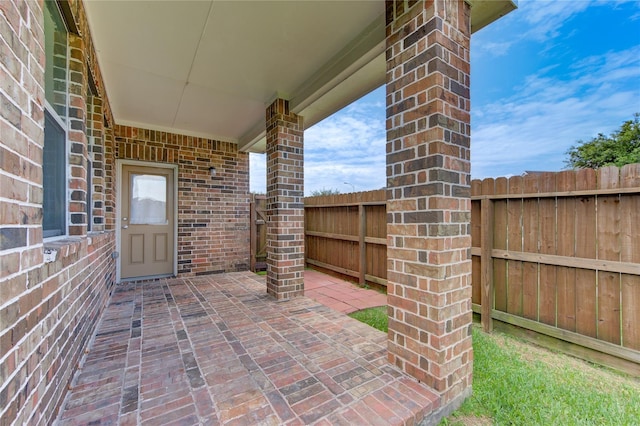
209,68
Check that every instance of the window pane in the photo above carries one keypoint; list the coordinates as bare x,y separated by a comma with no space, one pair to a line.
89,205
55,37
53,170
148,202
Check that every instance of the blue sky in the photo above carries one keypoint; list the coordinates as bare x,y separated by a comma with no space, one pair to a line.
544,77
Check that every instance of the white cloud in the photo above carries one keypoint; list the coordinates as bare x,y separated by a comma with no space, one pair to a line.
545,17
346,147
535,127
536,20
258,173
492,47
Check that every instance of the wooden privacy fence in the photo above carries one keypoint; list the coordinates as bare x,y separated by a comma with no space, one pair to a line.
347,234
559,254
554,253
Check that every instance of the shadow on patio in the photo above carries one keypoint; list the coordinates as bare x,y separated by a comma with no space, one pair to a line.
219,350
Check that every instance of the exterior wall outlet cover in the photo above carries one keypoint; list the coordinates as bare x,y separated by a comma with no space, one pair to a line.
50,255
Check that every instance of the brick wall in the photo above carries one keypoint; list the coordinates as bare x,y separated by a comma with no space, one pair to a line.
52,293
428,181
50,297
213,212
46,327
21,137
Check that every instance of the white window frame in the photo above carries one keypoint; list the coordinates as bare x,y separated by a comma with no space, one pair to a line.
65,127
53,114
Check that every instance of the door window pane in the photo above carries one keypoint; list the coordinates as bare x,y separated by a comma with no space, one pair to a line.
148,202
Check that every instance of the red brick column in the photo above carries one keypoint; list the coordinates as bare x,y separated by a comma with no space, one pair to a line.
76,134
285,203
428,181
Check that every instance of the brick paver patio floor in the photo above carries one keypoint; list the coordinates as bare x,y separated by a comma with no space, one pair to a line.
219,350
338,294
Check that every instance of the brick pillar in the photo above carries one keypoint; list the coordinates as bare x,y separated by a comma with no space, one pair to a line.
95,149
77,136
285,204
428,181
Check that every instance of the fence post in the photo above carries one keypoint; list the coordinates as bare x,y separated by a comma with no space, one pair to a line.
362,214
486,262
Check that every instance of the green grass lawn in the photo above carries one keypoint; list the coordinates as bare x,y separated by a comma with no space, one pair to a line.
375,317
519,383
516,383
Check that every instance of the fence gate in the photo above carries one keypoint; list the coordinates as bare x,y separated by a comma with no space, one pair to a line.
258,232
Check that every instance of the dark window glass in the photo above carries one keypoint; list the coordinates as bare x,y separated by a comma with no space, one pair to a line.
89,196
53,170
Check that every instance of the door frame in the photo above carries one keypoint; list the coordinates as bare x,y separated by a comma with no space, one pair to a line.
118,189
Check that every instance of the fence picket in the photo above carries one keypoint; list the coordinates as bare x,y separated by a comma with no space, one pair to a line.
514,243
500,231
630,252
586,318
530,244
566,277
547,245
608,223
476,231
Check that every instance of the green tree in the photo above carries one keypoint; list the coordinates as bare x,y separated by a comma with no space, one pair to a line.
324,191
622,147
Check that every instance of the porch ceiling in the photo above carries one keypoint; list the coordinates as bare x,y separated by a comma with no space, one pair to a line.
209,68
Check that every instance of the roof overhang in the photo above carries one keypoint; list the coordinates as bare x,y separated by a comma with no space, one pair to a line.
209,68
